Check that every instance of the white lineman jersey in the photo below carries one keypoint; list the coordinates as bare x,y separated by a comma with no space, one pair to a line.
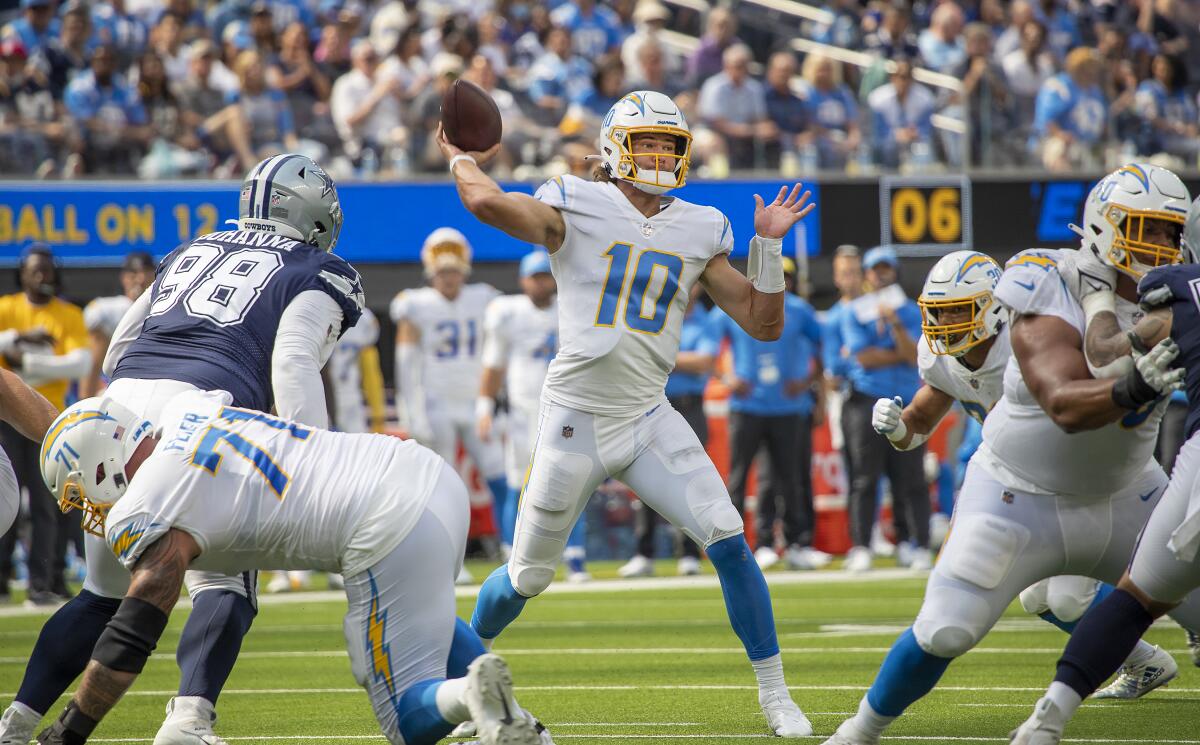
1022,447
345,373
521,338
258,492
451,338
623,285
104,313
977,390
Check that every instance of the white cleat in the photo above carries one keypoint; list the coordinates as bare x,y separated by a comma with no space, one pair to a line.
1135,681
467,729
806,557
783,716
1041,728
638,566
578,578
464,577
922,560
497,716
17,725
688,566
858,560
464,730
189,721
849,734
766,557
1193,642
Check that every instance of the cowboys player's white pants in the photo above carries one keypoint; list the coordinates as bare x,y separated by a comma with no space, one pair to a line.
1156,570
400,623
1004,540
105,575
654,453
519,434
451,422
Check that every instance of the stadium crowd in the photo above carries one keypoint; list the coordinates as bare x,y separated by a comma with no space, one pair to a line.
180,88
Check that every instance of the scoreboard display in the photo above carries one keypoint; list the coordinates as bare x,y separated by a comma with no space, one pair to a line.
925,215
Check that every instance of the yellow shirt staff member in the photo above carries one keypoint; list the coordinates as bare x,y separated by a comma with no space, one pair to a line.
42,338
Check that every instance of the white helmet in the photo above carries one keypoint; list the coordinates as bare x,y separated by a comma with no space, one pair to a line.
84,454
1116,211
446,248
645,112
964,281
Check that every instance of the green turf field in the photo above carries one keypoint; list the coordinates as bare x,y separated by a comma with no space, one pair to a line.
658,664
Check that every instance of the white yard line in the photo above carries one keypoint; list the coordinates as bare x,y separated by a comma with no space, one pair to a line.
168,655
828,577
1171,690
611,736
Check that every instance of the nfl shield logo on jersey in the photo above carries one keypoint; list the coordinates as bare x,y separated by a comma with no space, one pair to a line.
568,432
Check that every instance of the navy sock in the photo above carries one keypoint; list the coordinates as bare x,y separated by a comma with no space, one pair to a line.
498,604
908,673
1103,639
464,648
417,715
1069,626
63,648
211,640
747,599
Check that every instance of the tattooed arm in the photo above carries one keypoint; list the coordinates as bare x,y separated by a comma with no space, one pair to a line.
1105,343
157,580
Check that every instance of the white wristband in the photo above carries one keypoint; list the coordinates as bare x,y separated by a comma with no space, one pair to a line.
897,434
765,267
485,406
1098,302
459,158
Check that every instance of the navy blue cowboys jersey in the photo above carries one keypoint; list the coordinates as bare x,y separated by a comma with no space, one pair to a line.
1183,280
216,305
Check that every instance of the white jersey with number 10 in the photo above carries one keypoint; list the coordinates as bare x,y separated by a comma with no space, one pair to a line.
623,285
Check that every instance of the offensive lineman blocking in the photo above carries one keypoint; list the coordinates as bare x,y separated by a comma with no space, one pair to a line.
215,487
1065,457
626,258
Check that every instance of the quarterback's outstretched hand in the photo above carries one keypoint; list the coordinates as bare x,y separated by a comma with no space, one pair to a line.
774,220
449,150
885,418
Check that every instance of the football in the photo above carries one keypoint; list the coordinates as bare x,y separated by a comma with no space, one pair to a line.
470,117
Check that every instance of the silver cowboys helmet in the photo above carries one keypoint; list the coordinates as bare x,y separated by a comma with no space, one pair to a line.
291,195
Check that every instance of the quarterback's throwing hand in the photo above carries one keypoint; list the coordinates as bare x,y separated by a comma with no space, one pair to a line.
449,150
774,220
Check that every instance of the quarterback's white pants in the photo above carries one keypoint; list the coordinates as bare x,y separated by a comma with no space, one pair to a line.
655,453
519,434
1156,570
400,623
1004,540
450,423
105,575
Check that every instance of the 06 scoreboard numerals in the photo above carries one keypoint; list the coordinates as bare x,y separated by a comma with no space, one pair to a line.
926,215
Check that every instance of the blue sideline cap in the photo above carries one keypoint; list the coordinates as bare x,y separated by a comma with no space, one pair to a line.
537,262
881,255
